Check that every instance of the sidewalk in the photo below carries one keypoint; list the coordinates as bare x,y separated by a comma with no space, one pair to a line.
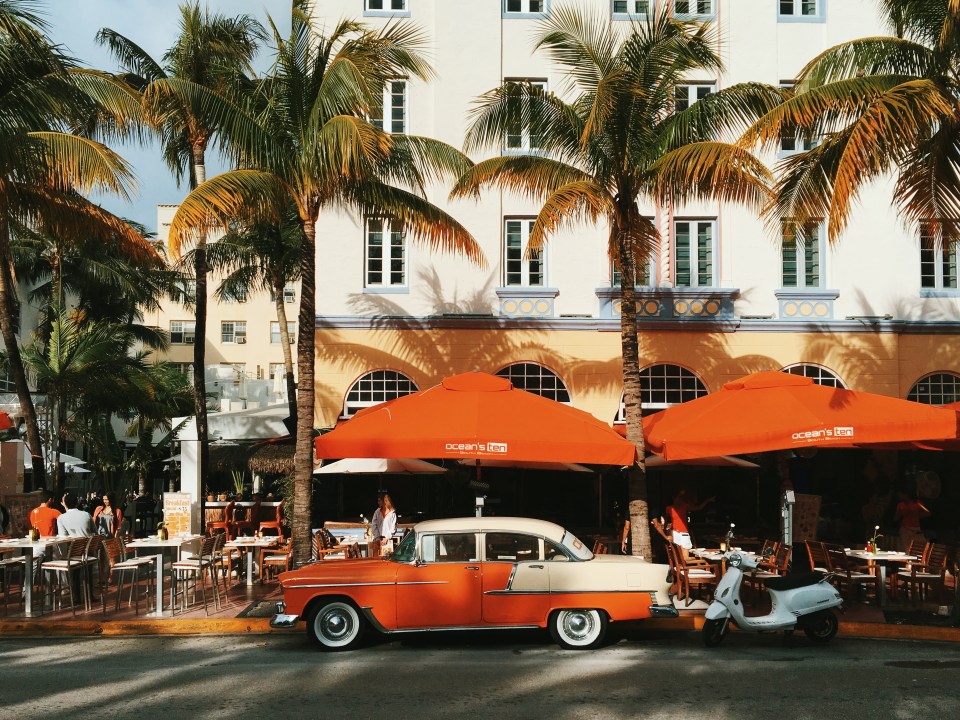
247,610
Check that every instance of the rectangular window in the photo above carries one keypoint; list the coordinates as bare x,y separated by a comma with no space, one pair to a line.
386,254
643,274
520,137
391,115
520,271
792,142
802,254
277,371
800,10
182,332
289,294
693,8
687,95
185,369
386,7
524,7
694,252
240,296
631,8
233,331
938,265
275,333
185,291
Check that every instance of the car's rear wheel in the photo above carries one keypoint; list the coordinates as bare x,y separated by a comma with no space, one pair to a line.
580,629
335,625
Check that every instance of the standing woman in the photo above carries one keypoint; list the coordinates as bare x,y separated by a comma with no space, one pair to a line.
384,524
107,518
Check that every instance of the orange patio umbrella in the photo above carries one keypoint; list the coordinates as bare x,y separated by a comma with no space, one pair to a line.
779,411
477,416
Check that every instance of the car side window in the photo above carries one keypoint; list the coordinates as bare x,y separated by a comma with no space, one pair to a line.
511,547
552,551
449,547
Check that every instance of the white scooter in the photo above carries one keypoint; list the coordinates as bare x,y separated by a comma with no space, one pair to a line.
804,601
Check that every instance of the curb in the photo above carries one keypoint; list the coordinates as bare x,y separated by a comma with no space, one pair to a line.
261,626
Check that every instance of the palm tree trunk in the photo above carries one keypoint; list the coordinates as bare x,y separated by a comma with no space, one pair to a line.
287,355
637,482
303,454
200,333
15,361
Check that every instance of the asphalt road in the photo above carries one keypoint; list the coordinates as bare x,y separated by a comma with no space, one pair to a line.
477,675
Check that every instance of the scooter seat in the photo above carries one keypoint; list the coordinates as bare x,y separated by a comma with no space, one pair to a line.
792,582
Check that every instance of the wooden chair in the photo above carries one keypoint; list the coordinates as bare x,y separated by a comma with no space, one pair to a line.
189,573
817,552
930,573
275,526
226,525
274,560
770,566
692,574
851,577
120,563
325,546
599,548
250,524
71,570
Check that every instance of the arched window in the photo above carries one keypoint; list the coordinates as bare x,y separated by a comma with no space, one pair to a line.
662,386
820,375
936,389
376,387
536,379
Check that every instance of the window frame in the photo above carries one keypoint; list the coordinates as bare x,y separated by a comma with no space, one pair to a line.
559,393
914,393
386,11
389,387
276,338
424,537
386,269
525,147
691,86
940,264
680,374
695,272
819,15
386,104
632,14
238,329
801,264
525,13
817,373
183,332
712,14
526,223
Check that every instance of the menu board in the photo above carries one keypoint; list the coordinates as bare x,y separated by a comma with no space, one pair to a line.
19,506
176,513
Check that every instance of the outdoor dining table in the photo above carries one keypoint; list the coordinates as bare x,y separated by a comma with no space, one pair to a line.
715,555
246,545
28,548
881,559
181,544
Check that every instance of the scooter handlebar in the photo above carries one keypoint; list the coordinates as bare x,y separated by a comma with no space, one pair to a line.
737,558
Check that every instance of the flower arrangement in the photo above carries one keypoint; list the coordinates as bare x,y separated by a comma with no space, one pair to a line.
366,525
872,542
162,532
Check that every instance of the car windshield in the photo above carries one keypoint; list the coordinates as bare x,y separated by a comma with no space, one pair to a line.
406,551
575,547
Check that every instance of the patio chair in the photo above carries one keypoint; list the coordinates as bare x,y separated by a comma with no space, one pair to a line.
250,524
692,574
926,575
850,577
187,574
274,560
70,570
817,553
275,526
119,563
769,566
325,546
226,525
11,569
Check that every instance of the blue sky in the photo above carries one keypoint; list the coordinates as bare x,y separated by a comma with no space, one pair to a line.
152,24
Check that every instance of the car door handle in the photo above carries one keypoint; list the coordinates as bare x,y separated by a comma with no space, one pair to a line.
536,567
472,567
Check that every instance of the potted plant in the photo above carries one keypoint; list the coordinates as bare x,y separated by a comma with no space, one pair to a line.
162,532
238,482
210,496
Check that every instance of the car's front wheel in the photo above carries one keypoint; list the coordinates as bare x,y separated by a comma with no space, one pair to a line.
335,625
578,629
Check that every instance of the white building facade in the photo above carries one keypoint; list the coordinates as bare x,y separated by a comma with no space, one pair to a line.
723,298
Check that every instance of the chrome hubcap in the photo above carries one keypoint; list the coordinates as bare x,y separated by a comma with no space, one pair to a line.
336,625
578,626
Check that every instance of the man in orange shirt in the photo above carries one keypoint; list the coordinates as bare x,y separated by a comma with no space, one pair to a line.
44,516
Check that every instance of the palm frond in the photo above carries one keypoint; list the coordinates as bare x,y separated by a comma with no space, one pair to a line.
709,171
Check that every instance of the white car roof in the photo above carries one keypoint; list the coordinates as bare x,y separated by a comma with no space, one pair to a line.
549,530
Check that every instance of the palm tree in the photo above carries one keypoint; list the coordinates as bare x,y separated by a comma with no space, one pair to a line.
876,106
46,171
306,140
211,51
619,142
264,256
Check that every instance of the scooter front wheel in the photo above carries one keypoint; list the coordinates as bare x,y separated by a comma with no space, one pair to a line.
821,627
714,631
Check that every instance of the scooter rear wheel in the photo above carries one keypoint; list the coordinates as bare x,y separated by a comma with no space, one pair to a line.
821,627
714,631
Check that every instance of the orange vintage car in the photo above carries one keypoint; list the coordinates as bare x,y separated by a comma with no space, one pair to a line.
468,573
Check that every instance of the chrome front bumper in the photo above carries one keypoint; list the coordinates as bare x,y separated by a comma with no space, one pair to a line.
281,619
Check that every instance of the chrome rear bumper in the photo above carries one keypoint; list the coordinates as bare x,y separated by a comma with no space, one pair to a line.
664,611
